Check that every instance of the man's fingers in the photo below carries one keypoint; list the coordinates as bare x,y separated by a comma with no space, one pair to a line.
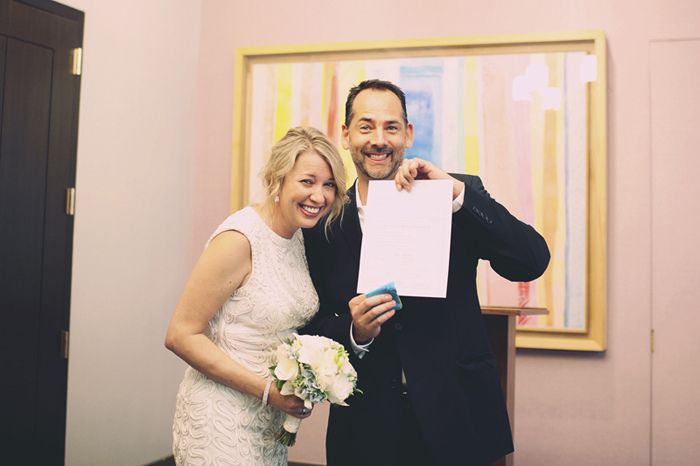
414,167
368,314
377,315
384,316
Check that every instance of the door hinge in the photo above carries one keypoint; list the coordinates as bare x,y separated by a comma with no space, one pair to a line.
652,340
77,56
70,201
64,343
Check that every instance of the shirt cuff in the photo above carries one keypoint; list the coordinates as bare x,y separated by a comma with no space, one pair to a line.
459,200
359,350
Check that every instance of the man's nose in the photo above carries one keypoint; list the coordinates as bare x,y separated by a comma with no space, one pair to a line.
379,137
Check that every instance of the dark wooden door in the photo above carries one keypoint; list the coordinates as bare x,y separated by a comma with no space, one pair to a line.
39,93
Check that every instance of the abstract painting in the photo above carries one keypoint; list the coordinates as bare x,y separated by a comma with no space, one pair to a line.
518,119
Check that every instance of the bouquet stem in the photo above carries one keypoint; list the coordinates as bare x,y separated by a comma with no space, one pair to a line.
288,433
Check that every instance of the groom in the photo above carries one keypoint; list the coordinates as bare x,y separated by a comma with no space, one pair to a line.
431,393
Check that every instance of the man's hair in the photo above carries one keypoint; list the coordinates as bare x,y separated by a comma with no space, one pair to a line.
378,85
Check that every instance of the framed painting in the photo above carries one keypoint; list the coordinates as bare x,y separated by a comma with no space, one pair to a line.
527,113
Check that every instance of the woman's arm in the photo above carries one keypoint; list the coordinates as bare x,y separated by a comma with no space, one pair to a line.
224,266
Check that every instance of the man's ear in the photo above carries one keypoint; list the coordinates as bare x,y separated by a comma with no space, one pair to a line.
409,135
345,139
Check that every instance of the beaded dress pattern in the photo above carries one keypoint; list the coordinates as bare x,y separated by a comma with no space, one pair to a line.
215,424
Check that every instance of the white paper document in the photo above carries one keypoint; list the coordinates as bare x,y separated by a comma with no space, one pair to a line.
406,238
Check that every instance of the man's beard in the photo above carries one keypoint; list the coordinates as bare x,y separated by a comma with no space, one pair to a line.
380,172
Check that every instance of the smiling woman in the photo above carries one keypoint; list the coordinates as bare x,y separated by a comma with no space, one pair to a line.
286,162
249,292
306,194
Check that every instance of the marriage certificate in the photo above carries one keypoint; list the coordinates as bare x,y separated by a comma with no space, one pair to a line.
406,238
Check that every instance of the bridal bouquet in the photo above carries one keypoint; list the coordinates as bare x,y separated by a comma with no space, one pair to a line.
315,369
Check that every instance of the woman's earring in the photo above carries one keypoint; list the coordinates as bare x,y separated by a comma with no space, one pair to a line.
277,198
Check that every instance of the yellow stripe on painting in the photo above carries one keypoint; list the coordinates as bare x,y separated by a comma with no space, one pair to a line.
471,115
537,151
328,77
284,100
350,74
552,195
471,155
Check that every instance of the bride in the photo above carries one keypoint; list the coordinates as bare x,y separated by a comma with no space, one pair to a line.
248,292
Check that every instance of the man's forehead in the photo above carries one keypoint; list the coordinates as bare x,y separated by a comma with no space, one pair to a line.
373,105
374,118
378,95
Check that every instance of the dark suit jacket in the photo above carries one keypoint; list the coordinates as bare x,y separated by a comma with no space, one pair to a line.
441,344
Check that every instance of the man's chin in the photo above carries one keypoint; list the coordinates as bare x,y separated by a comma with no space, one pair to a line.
386,173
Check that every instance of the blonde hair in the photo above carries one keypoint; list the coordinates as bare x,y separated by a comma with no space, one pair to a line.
283,157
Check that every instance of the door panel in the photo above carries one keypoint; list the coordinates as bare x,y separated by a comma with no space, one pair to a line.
38,142
23,162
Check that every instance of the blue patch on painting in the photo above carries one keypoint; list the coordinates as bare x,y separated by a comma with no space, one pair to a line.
421,114
422,85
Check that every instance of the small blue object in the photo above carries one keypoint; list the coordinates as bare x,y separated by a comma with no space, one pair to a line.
389,288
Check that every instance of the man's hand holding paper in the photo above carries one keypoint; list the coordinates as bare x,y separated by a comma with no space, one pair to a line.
419,169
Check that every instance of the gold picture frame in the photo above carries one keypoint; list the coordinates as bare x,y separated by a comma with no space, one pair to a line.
265,77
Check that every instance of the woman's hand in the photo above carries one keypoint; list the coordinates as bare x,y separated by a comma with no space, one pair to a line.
290,404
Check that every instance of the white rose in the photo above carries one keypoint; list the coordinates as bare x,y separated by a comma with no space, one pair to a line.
346,368
309,346
339,389
287,368
315,355
325,373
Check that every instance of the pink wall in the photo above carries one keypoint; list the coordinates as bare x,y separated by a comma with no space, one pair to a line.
572,408
132,226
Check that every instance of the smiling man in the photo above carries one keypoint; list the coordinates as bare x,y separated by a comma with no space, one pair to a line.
377,134
431,394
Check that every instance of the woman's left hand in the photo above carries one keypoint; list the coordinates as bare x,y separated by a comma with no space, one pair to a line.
290,404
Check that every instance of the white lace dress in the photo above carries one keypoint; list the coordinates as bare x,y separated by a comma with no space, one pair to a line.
215,424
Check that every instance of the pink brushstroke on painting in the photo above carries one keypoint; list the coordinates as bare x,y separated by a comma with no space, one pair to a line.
524,292
523,301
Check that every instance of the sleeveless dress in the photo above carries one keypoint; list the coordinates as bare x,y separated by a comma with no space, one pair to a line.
215,424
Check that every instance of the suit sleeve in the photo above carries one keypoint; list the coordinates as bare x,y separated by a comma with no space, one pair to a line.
515,250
